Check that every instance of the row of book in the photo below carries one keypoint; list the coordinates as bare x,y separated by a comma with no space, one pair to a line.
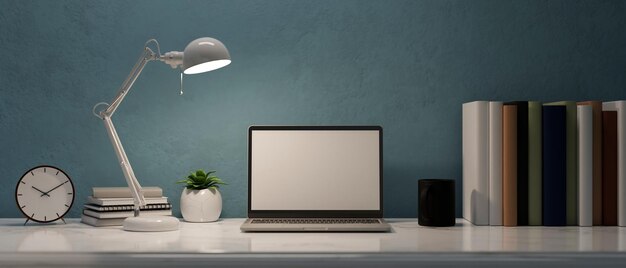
109,206
552,164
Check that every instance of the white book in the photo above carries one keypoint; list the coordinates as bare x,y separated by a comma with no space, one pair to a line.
495,163
121,192
123,201
101,222
127,207
126,214
476,162
620,107
585,165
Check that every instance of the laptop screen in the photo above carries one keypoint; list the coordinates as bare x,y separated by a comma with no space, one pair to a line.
316,169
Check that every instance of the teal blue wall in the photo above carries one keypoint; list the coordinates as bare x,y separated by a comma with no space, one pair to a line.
405,65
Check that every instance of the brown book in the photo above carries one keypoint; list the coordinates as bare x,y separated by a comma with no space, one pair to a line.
609,168
596,106
509,165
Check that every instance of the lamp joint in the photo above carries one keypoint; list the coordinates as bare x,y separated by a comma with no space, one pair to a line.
173,58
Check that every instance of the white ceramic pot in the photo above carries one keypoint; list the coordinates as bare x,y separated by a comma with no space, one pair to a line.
201,205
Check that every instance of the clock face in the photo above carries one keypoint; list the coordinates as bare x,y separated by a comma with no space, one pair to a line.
44,194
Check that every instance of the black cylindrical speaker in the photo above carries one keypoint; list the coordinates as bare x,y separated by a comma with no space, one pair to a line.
436,202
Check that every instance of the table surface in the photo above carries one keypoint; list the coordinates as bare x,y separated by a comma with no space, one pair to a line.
224,237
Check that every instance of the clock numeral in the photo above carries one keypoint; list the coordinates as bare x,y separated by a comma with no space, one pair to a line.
67,206
44,170
23,206
69,193
57,173
45,218
22,182
19,194
58,215
31,173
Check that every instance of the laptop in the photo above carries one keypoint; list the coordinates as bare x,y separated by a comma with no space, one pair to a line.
315,178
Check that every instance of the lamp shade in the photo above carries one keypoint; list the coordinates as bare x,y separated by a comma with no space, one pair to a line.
203,55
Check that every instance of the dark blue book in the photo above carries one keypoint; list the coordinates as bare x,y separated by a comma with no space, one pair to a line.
554,165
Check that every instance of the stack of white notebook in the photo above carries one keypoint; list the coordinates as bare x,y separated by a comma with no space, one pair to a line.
109,206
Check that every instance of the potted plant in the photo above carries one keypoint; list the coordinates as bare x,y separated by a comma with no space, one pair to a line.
201,200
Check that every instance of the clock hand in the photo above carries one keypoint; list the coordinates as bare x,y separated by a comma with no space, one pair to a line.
42,192
46,193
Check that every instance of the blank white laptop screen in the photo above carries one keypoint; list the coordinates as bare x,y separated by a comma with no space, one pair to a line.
315,170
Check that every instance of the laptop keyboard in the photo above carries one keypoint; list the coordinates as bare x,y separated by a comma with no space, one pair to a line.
315,221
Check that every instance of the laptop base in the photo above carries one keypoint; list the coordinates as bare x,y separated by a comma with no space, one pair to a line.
322,225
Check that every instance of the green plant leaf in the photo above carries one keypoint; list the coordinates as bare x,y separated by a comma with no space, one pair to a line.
218,181
200,180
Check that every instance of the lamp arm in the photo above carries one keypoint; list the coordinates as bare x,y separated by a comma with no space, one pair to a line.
134,186
145,57
106,114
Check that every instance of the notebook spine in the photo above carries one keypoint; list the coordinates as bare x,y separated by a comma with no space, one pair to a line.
127,207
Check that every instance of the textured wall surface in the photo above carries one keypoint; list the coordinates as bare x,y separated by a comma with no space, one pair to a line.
405,65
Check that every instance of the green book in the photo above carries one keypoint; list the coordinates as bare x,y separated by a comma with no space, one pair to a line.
571,161
534,164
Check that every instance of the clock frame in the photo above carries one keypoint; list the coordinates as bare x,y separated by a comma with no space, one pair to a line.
50,198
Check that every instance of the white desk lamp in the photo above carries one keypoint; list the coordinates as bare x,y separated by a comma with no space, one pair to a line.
201,55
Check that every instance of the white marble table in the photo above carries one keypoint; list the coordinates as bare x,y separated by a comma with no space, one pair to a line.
223,243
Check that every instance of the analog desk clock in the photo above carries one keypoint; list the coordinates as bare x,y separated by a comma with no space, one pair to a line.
44,194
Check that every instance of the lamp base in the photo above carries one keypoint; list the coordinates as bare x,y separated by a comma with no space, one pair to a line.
151,224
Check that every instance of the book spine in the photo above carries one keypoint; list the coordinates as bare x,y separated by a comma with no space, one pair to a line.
554,165
571,191
572,164
620,107
609,168
123,201
621,163
596,108
534,164
86,219
522,163
124,214
585,165
495,163
126,207
476,162
597,163
509,165
124,192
